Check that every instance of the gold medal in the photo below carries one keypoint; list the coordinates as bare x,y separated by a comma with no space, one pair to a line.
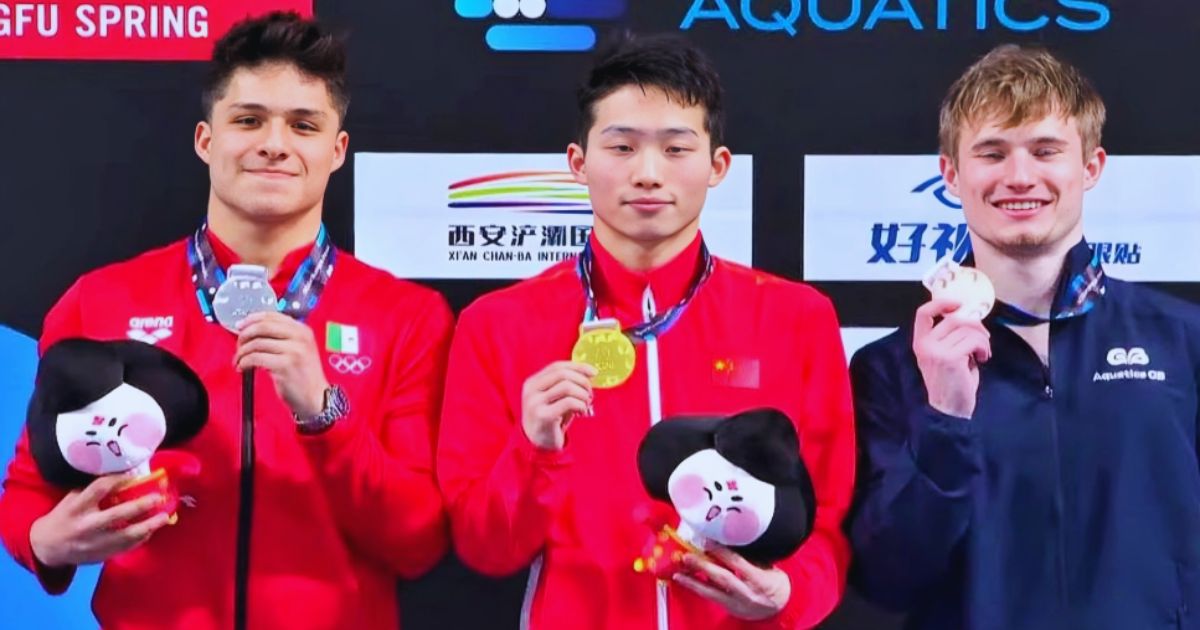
603,346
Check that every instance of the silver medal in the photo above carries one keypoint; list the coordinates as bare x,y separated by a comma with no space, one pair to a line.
246,290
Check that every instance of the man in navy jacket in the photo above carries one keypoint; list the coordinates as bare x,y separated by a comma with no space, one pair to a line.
1037,469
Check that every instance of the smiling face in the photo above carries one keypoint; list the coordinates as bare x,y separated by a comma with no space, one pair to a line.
113,434
719,500
273,139
1022,186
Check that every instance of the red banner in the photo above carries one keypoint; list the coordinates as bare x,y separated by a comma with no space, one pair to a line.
147,31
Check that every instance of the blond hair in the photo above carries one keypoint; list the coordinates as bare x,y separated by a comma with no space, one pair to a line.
1018,85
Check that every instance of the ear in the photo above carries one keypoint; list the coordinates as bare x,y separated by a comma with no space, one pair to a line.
721,160
577,163
949,174
762,442
339,150
203,140
1093,167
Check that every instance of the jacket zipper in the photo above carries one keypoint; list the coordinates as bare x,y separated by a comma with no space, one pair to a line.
649,310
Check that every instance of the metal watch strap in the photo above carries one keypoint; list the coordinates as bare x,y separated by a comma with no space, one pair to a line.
336,407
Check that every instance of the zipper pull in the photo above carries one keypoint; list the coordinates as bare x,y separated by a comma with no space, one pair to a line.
648,308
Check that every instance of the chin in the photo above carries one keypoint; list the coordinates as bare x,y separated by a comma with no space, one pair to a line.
272,211
1024,243
652,231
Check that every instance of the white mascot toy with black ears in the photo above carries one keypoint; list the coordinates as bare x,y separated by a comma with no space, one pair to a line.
738,482
107,407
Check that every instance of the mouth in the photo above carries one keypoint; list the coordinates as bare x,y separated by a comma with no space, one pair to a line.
647,204
270,173
713,512
114,447
1020,208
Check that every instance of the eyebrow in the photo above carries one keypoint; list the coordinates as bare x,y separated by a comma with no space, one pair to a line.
991,143
634,131
1050,140
302,112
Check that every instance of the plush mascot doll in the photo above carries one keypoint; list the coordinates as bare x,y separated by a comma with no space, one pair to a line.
105,407
737,481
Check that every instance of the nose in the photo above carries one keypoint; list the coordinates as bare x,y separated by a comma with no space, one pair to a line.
1019,173
647,172
274,144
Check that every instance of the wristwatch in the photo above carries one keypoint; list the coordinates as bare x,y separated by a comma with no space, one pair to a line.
336,407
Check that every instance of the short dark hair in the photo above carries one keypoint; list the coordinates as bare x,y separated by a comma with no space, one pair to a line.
667,62
279,37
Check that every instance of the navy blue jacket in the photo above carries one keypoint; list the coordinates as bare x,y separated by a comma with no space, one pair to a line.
1071,498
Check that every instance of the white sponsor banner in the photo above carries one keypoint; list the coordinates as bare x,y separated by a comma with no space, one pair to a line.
890,217
502,215
854,338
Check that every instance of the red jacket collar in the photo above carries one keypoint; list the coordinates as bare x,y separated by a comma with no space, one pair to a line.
620,289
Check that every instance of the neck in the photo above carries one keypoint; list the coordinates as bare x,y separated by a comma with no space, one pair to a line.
1027,282
264,243
642,256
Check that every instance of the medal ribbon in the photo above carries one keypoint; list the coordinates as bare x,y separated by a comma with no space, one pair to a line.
1082,286
660,323
302,293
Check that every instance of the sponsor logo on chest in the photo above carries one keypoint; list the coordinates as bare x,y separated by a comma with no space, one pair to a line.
151,329
1133,364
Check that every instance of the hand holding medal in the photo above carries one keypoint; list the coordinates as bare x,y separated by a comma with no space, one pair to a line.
603,357
950,341
272,334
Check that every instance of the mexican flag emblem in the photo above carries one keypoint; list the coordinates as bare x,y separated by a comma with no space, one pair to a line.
341,338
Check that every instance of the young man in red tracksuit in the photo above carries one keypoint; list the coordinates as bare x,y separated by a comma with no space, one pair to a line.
339,496
538,465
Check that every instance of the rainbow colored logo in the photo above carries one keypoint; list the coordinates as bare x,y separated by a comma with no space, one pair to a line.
544,192
540,25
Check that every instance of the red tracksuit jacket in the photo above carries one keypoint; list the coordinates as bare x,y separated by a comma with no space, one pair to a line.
336,516
748,339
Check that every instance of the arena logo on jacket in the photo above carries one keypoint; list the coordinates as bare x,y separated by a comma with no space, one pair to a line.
151,329
343,343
